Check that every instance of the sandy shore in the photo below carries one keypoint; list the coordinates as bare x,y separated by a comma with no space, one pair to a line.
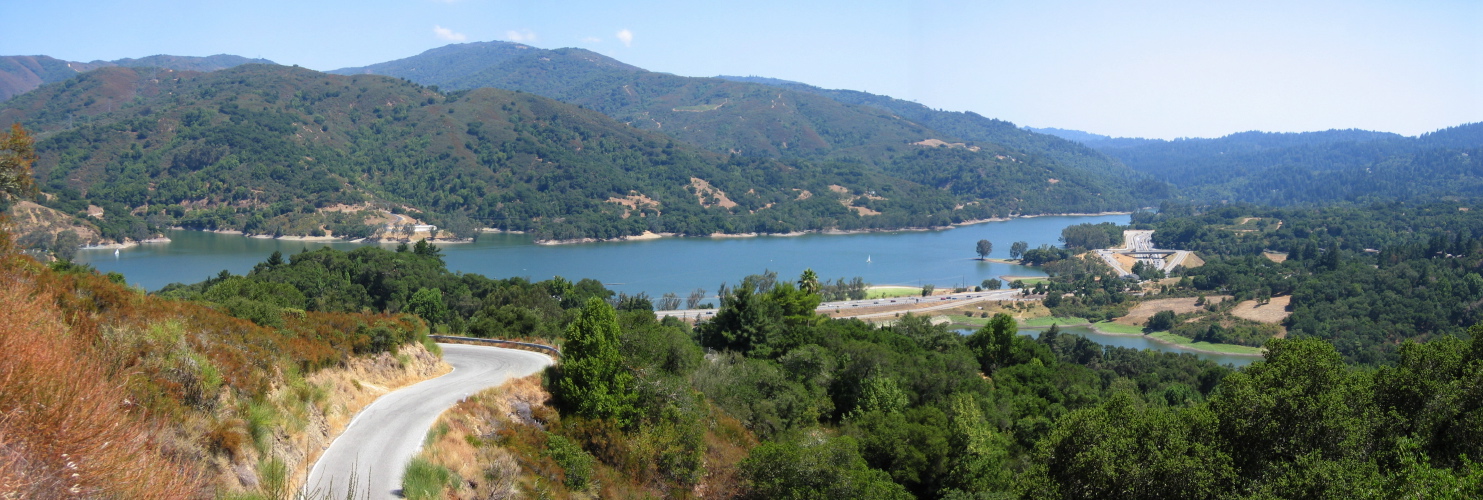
310,238
126,244
647,235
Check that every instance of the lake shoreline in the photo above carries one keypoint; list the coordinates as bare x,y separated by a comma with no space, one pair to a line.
650,235
1182,347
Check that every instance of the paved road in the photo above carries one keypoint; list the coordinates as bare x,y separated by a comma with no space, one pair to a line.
385,435
936,302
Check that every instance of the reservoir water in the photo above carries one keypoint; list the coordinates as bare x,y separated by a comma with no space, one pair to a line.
944,258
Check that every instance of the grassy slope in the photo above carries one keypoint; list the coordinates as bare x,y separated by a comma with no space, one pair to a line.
157,398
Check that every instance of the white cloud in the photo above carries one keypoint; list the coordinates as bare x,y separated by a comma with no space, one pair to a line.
447,34
626,37
590,39
522,36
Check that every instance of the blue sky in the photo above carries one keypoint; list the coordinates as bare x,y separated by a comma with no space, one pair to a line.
1128,68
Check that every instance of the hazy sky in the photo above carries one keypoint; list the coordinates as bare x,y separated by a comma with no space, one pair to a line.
1126,68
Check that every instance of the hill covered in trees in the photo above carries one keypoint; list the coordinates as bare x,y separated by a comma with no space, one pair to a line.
1310,168
21,74
1364,279
789,404
259,148
764,117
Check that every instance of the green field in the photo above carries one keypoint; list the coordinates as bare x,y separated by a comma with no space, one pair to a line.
959,319
1052,320
1205,346
1028,281
1110,327
886,292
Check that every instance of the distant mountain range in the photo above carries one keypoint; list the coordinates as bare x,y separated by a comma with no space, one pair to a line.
259,148
21,74
753,116
1308,167
576,144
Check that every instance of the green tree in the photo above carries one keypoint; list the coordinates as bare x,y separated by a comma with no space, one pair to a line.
978,452
1161,321
593,381
816,468
65,248
984,248
809,282
669,302
694,299
1124,449
927,289
17,153
1303,400
1017,249
881,394
428,303
993,344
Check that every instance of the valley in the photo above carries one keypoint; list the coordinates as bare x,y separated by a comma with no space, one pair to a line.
230,278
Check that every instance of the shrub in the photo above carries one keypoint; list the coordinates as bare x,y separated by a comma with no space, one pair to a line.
1161,321
425,480
575,462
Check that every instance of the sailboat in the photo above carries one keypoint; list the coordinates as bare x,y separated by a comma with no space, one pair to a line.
115,253
867,259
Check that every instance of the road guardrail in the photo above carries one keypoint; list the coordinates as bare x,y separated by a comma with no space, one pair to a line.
552,349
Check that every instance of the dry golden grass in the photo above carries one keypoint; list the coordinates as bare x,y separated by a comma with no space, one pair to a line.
1271,312
1146,309
67,426
461,440
106,392
1278,257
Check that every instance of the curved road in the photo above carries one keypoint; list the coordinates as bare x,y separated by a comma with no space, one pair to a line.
384,436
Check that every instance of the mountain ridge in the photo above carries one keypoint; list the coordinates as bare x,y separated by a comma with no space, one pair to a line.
263,149
737,115
21,74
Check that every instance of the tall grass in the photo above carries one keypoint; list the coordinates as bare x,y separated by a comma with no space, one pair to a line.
108,392
65,428
425,480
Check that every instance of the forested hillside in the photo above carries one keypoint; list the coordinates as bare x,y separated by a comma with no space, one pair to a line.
757,117
1311,168
769,400
259,148
21,74
966,125
1362,278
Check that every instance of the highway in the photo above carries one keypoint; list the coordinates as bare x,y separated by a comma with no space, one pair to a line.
1141,241
383,437
869,308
